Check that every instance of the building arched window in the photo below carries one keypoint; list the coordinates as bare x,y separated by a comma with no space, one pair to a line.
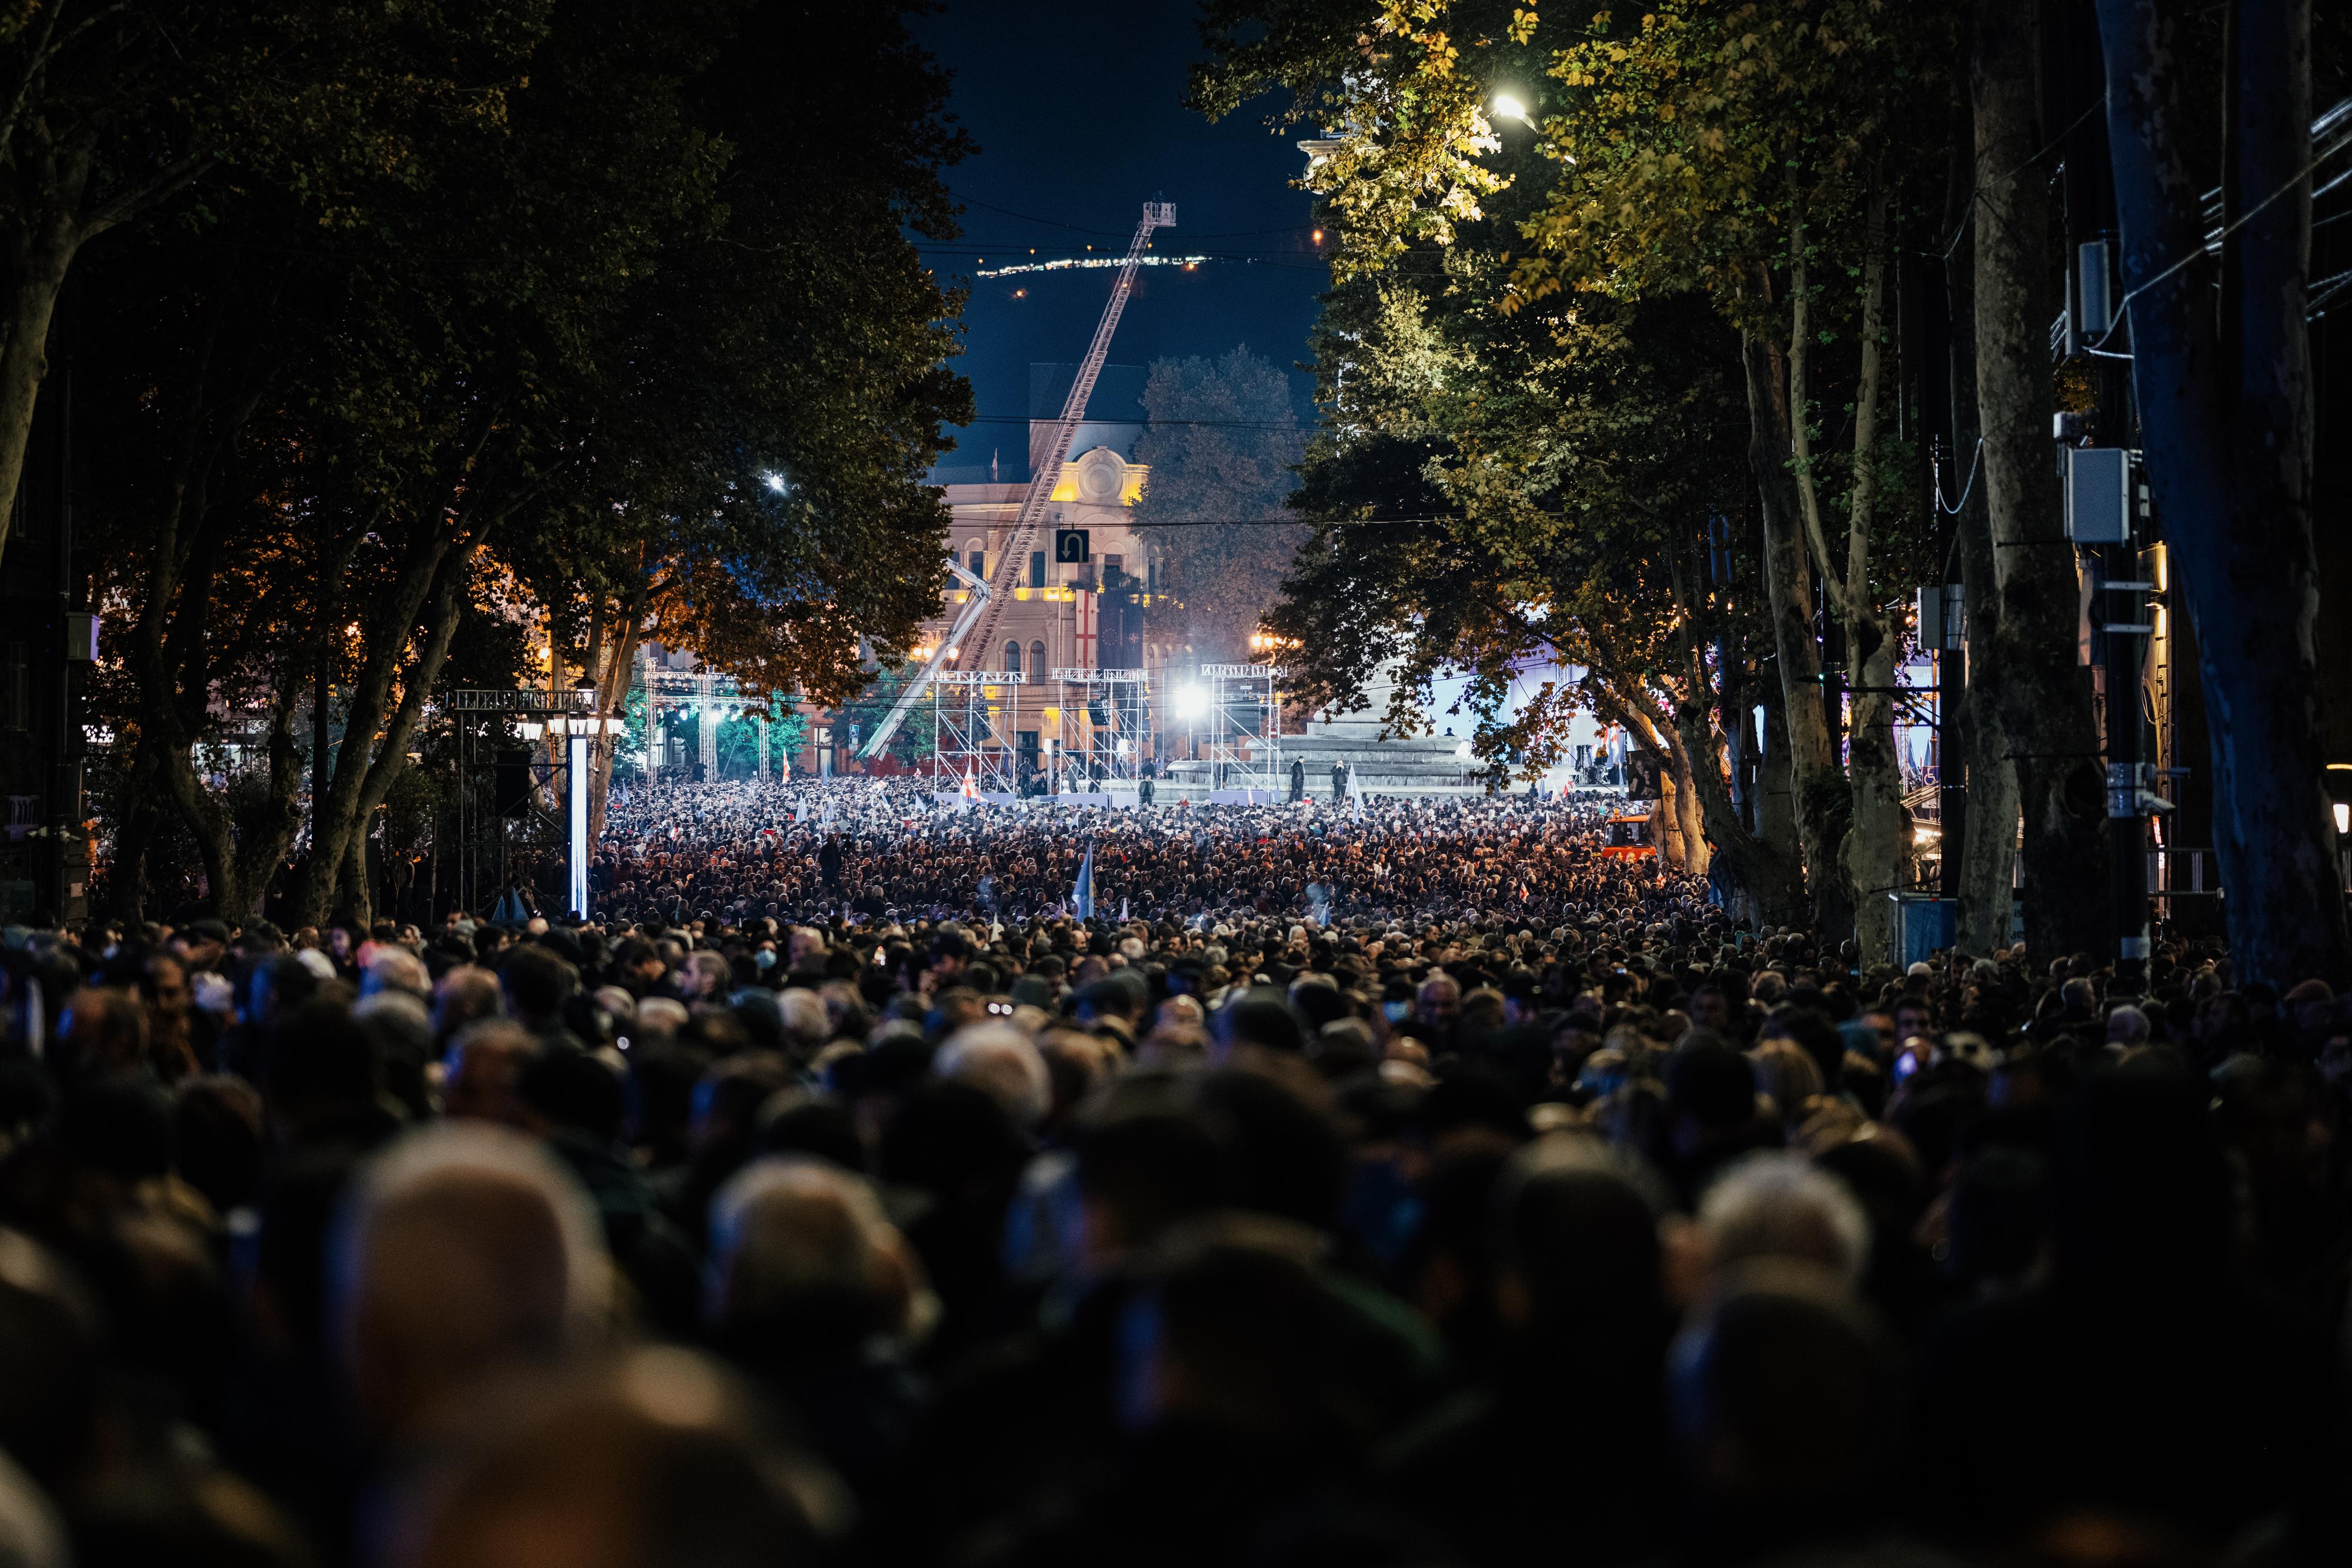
1037,661
1012,658
974,554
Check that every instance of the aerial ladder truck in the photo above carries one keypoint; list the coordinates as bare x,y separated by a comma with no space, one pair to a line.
984,610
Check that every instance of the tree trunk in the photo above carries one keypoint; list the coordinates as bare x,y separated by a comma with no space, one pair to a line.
2226,420
139,834
2023,655
1878,846
364,766
1699,854
42,258
1762,878
612,696
1819,788
1974,740
1775,791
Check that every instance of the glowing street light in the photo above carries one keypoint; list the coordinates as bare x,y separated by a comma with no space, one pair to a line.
1506,106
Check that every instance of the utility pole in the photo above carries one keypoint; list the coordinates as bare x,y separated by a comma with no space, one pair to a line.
2120,617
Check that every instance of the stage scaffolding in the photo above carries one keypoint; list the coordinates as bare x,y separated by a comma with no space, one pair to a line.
712,698
970,728
1245,727
1106,721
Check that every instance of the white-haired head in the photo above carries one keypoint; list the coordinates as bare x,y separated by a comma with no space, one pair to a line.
1003,1063
463,1250
807,1024
790,1234
394,969
1780,1205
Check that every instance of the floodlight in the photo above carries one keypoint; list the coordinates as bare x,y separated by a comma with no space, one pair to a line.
1190,704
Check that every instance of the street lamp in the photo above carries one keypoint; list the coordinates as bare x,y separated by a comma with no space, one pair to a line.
1506,106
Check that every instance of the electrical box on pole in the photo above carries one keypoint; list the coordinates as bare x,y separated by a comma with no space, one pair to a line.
2098,495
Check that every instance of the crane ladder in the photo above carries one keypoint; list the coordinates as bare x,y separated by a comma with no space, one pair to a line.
984,611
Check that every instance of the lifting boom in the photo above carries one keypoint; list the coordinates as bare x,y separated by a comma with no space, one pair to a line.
976,627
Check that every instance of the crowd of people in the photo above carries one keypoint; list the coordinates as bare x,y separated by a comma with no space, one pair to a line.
1590,1226
878,849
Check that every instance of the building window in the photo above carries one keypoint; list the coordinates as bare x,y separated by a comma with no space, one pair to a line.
1037,569
974,555
1037,661
1012,658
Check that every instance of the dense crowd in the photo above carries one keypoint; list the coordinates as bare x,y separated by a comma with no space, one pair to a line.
1613,1234
737,850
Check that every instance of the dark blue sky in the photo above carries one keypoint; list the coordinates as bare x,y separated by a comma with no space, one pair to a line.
1075,107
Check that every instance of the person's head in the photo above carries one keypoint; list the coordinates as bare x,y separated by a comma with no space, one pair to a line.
1147,1159
394,969
2127,1027
464,1251
1710,1091
536,983
1260,1019
163,983
104,1029
1238,1335
465,995
1709,1008
1438,1001
52,1363
1778,1204
1574,1225
1784,1396
1003,1062
2310,1007
574,1093
806,1023
1785,1071
706,977
2145,1195
320,1066
803,1259
482,1070
1914,1020
655,1458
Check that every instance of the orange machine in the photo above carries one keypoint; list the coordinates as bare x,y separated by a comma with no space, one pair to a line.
1626,836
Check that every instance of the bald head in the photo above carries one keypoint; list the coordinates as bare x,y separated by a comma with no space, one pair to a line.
655,1459
466,1251
799,1241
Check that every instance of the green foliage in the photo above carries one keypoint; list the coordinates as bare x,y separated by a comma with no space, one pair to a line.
497,318
1537,335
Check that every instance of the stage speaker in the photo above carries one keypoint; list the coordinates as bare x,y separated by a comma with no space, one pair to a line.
511,786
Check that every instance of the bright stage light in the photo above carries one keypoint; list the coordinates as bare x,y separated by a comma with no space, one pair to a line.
1190,704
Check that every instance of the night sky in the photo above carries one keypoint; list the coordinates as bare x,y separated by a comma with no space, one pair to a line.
1077,113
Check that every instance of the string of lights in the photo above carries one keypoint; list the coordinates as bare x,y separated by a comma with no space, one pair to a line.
1081,263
